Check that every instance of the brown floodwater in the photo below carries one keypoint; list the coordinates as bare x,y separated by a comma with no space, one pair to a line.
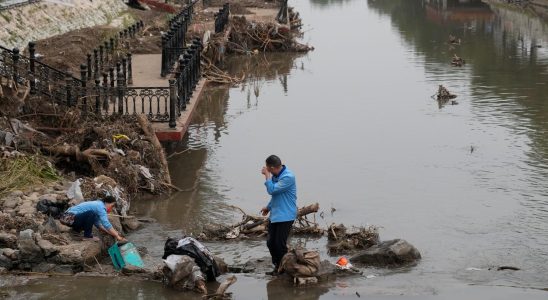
354,119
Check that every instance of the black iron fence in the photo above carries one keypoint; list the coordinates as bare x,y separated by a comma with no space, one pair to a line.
113,54
174,39
221,18
187,75
108,94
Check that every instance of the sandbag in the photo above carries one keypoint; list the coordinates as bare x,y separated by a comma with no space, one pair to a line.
300,263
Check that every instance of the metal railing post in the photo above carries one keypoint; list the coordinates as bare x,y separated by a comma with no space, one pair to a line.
90,68
105,91
15,60
164,54
32,52
172,101
98,97
120,89
129,70
96,61
83,92
68,87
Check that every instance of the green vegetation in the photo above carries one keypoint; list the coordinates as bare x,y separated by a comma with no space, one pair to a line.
6,16
26,171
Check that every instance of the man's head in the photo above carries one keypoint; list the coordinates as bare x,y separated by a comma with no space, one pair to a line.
109,202
274,164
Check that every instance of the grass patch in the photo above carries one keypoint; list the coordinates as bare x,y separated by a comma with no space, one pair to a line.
6,17
23,172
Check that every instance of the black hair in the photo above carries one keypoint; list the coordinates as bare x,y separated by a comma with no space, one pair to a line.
109,199
273,161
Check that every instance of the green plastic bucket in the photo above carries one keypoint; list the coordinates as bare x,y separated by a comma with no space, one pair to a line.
126,254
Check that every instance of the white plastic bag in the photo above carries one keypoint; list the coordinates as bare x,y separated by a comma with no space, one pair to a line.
75,192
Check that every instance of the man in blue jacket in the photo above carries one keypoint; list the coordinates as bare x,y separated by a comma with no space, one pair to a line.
86,214
280,184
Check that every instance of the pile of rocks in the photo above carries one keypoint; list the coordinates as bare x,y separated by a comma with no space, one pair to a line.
33,241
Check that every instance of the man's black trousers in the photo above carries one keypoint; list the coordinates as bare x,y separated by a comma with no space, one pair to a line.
277,240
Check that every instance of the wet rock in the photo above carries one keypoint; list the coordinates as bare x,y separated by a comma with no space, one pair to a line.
5,262
66,269
77,253
11,203
388,253
8,240
43,267
29,251
130,224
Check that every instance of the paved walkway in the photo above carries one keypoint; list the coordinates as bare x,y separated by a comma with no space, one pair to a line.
146,73
146,70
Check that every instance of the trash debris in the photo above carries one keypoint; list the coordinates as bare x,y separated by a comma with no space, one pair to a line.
341,240
300,263
444,94
75,192
457,61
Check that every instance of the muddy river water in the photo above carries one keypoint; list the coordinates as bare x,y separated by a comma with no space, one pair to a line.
354,119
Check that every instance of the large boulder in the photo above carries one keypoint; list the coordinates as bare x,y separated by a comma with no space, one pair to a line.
388,253
8,240
29,252
5,262
77,253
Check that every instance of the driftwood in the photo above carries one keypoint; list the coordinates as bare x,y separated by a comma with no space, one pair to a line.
342,240
89,155
457,61
221,293
151,137
257,226
444,94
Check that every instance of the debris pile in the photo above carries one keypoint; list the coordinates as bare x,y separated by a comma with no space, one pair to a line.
342,240
246,36
444,94
257,226
457,61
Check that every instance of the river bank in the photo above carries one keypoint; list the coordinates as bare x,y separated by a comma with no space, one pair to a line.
95,156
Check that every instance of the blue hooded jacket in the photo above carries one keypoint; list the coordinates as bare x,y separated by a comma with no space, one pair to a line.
283,189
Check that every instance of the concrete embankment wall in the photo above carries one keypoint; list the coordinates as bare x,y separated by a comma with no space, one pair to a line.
45,19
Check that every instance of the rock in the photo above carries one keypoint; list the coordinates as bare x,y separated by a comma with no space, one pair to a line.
130,224
77,253
66,269
9,253
26,209
17,194
49,197
47,247
3,271
8,240
11,203
115,222
43,267
32,197
388,253
29,251
5,262
62,227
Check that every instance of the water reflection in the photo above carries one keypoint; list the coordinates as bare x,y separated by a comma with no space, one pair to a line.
505,84
204,198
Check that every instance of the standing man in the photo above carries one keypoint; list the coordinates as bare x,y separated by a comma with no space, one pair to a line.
280,184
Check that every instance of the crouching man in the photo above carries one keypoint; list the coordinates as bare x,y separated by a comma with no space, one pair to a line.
86,214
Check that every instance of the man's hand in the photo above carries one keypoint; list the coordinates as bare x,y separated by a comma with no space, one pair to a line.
122,239
264,211
266,173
